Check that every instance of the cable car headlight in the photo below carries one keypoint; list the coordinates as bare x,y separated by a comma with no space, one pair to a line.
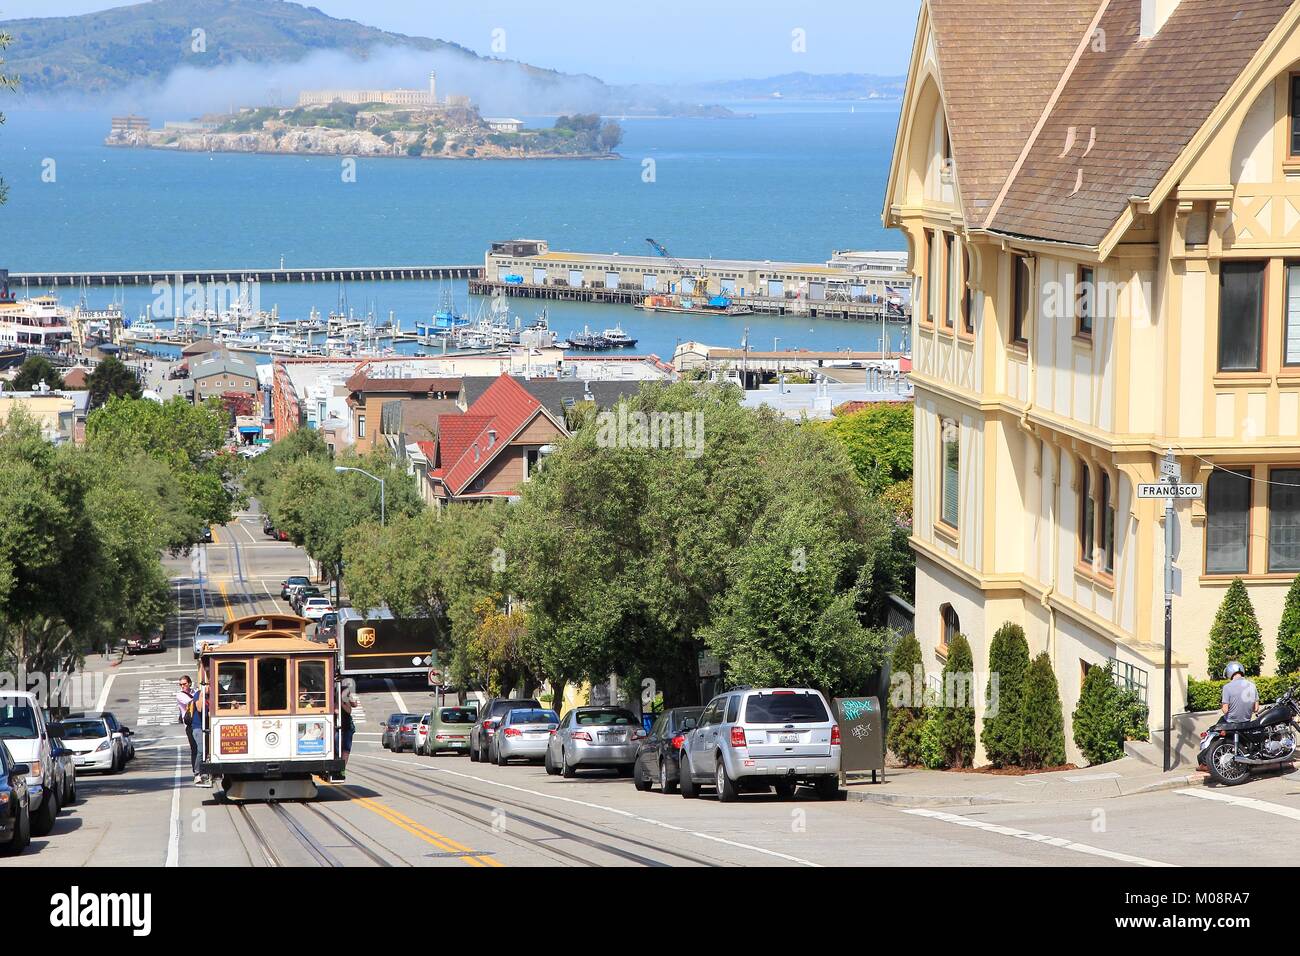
272,739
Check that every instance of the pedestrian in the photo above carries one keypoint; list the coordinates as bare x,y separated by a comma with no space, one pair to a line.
347,700
185,703
200,727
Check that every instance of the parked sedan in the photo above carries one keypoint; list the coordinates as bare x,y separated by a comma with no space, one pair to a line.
294,580
93,745
392,728
658,757
523,734
121,733
480,738
145,643
406,733
314,608
591,737
449,729
300,595
15,808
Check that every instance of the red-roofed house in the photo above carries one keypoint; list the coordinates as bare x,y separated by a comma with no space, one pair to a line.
489,450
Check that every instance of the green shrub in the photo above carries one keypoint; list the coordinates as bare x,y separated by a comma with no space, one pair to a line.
1136,715
956,712
931,747
1288,632
1004,716
1235,635
1044,732
1208,694
1099,719
906,711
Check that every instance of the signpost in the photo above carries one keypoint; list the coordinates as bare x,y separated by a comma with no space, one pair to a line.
862,736
1169,490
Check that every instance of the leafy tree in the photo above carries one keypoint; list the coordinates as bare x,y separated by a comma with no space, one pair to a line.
611,134
111,379
878,440
1235,634
1004,714
1288,632
263,471
1043,743
955,713
34,370
906,704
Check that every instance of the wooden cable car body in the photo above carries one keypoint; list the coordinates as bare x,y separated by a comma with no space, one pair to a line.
272,718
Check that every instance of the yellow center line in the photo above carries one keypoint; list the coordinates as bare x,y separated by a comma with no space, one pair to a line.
225,599
432,837
215,539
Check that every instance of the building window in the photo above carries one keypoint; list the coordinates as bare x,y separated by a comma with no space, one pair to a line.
948,510
1107,526
931,277
1022,301
1291,342
950,625
1241,315
1284,520
967,318
1085,300
361,426
1227,523
950,303
1295,116
1087,516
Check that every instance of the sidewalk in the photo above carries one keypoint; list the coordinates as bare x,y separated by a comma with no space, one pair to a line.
915,787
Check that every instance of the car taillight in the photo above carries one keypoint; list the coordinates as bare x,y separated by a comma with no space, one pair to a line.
581,735
678,741
511,732
835,735
737,736
407,728
489,724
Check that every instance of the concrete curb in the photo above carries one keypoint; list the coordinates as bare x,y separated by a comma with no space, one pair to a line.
929,801
1054,793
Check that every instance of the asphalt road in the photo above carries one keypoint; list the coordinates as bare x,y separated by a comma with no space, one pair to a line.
403,810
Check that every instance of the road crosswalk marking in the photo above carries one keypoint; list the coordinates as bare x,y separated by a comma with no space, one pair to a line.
1249,803
157,703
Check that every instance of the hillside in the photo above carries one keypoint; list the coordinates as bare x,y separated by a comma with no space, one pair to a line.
791,86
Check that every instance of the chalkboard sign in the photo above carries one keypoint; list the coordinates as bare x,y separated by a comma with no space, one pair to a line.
862,737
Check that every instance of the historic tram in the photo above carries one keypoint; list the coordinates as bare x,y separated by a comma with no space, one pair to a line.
272,709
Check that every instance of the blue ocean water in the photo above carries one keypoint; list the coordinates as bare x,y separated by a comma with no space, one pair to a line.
795,181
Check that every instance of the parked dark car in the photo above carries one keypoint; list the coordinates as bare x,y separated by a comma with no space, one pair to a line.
393,728
327,627
300,596
659,758
146,643
206,535
480,738
15,809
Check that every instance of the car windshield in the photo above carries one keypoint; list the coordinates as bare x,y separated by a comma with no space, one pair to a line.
613,718
785,709
505,706
456,715
83,729
17,719
297,580
208,630
533,717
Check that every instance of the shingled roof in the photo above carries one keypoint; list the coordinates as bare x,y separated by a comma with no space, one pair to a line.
1145,99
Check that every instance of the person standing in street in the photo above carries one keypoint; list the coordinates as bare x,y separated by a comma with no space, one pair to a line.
347,700
186,703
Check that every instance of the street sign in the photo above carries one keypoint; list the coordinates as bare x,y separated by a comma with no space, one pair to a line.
1163,490
710,666
435,677
1169,468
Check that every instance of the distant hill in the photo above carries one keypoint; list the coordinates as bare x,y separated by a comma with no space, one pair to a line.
793,86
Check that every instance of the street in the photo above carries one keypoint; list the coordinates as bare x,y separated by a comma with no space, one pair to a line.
404,810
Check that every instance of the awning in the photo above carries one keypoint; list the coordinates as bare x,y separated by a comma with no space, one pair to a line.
250,429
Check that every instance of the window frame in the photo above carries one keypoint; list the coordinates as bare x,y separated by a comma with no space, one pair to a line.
928,317
951,282
247,709
1247,474
1087,529
1225,266
966,300
944,610
1293,116
1287,266
1107,513
298,663
949,426
1022,310
256,692
1080,285
1273,488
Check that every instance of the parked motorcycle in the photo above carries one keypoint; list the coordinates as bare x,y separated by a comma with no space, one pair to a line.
1232,751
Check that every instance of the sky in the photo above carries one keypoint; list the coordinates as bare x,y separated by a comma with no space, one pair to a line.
634,41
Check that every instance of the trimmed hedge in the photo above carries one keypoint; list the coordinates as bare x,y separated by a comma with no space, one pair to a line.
1235,635
907,716
1043,744
956,717
1009,660
1208,694
1288,632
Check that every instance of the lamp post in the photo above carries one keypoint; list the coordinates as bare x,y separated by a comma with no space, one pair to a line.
341,469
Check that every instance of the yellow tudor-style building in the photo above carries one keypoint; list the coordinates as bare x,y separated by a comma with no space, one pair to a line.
1101,200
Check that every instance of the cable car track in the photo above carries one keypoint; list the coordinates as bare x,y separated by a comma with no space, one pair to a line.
259,837
313,846
338,828
465,795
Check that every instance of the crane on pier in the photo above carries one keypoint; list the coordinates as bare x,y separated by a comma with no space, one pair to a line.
700,279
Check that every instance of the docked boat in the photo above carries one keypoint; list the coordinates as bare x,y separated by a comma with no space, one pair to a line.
618,339
688,305
589,341
35,323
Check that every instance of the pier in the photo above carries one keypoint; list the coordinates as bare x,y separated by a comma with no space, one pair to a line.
204,276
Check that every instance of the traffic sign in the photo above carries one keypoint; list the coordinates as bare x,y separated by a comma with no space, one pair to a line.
1169,468
1164,490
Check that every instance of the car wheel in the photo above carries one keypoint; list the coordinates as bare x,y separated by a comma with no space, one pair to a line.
726,787
43,823
70,797
828,788
473,754
666,784
551,769
639,778
785,789
22,833
689,788
567,772
502,759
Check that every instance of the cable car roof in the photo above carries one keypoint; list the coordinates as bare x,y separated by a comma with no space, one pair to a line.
270,642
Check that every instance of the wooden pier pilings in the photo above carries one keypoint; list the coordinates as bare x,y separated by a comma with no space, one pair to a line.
204,276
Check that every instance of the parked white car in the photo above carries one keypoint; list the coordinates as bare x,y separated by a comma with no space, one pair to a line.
315,608
208,632
30,741
94,746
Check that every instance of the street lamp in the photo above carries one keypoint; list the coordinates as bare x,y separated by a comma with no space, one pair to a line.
341,469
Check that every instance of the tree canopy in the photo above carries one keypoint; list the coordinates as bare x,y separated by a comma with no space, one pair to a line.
35,370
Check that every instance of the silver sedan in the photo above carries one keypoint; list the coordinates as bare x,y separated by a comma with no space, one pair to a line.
523,734
590,737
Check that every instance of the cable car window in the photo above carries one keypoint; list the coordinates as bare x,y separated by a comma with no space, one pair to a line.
272,684
313,691
232,687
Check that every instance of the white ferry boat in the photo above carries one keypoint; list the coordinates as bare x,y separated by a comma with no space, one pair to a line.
35,323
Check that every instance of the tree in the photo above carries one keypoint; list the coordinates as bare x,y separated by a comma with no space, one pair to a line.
611,134
1099,719
111,379
1235,634
878,440
34,370
1044,731
906,704
1004,713
239,404
955,717
1288,632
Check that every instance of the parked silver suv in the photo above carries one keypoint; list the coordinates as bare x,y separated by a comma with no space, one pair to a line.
750,740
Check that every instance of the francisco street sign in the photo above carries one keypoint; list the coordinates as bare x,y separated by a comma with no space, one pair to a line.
1181,492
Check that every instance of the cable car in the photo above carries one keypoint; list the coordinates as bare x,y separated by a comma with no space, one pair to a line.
272,709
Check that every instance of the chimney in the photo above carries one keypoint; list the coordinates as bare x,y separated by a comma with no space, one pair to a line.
1155,14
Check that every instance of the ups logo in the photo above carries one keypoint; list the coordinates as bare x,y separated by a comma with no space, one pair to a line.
366,637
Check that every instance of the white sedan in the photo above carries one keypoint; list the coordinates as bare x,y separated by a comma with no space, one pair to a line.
316,607
93,745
